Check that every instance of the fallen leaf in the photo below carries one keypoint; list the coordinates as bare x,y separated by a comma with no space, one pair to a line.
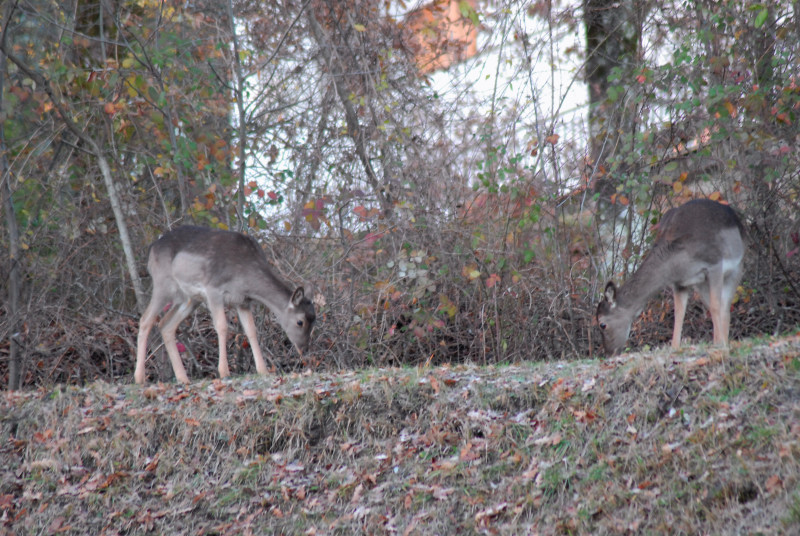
554,439
482,517
773,484
440,493
434,384
467,454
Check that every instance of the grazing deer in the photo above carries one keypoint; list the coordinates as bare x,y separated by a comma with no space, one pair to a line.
190,265
698,245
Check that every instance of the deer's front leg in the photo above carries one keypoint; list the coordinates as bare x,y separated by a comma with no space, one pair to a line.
680,297
249,326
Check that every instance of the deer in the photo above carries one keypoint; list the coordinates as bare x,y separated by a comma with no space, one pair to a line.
192,265
699,245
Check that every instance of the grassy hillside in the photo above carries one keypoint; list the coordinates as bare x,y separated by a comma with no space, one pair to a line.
678,443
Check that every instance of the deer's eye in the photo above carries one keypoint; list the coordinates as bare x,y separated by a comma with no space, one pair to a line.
602,325
300,323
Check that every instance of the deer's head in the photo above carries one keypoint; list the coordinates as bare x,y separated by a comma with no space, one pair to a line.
297,320
614,322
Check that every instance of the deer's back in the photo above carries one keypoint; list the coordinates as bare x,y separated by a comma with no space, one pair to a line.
202,256
706,230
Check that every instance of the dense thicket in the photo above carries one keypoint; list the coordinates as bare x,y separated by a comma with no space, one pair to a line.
472,214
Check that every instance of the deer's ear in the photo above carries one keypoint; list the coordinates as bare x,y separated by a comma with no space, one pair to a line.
297,296
611,293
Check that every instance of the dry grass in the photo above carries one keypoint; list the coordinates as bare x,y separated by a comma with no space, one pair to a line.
687,443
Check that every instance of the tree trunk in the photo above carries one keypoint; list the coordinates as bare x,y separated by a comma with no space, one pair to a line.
613,31
14,277
238,92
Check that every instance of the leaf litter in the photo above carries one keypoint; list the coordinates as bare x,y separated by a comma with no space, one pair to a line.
690,442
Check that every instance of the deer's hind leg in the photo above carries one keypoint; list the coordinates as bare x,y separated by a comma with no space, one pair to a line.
158,301
168,327
714,296
730,282
216,305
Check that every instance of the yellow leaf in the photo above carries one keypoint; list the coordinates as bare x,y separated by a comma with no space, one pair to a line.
715,196
677,187
127,63
470,272
360,27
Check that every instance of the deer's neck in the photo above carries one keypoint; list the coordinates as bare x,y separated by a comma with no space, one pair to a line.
645,282
269,290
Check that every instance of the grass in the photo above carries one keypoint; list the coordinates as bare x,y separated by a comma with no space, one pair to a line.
658,442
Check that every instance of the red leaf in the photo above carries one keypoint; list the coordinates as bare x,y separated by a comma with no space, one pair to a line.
371,238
